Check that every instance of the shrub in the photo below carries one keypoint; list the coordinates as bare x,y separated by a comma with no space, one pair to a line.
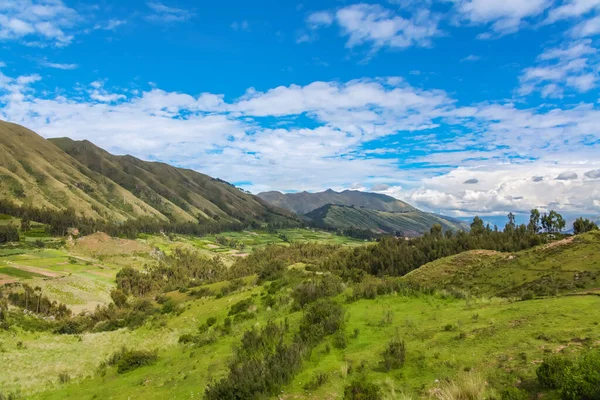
241,306
582,381
339,340
317,381
552,372
468,387
321,318
211,321
394,355
64,378
362,390
133,359
312,290
513,393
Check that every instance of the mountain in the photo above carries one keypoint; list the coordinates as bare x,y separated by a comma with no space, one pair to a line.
410,223
304,202
63,173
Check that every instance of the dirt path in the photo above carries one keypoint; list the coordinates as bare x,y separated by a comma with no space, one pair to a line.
4,279
561,242
35,270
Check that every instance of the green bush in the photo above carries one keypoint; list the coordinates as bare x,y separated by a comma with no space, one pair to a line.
241,306
362,390
513,393
211,321
582,381
133,359
551,373
317,381
394,355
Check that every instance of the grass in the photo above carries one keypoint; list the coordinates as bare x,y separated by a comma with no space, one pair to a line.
19,273
568,267
475,345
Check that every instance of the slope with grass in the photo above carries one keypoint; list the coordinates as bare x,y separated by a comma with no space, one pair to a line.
571,265
410,223
34,172
179,194
304,202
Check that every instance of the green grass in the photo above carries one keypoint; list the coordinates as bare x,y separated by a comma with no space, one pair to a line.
570,267
19,273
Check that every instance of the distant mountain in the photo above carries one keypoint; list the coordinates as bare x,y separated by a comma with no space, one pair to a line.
304,202
63,173
410,223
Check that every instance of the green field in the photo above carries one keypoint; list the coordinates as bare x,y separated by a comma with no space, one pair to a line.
459,330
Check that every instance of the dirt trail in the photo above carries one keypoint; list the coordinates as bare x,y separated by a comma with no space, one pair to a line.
35,270
561,242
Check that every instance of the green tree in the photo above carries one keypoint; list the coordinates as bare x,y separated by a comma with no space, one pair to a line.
583,225
534,221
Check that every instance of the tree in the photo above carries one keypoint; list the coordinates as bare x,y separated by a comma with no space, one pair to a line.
477,226
583,225
534,221
511,225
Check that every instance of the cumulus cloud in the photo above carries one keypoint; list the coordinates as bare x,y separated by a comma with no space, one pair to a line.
377,26
566,176
572,66
41,21
593,174
230,140
502,16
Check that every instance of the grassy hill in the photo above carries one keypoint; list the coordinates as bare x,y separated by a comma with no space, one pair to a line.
480,344
571,265
62,173
411,223
304,202
35,172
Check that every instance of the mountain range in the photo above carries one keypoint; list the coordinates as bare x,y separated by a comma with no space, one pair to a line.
63,173
361,210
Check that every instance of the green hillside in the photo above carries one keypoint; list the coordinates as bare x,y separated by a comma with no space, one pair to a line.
36,173
410,223
62,173
179,194
455,347
571,265
304,202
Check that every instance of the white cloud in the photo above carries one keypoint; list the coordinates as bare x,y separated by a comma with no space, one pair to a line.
573,8
164,13
49,64
590,27
46,21
374,25
243,26
505,16
471,58
494,147
574,66
111,25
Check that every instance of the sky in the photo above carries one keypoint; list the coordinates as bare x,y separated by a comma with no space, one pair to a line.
460,107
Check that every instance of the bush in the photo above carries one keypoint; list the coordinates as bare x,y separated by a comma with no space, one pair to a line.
394,355
133,359
321,318
513,393
339,340
317,381
362,390
64,378
552,372
582,381
211,321
241,306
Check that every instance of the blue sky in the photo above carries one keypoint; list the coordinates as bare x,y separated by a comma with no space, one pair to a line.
456,106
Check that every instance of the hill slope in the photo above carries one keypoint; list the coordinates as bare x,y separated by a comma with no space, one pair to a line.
304,202
410,223
62,173
179,194
567,266
35,172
